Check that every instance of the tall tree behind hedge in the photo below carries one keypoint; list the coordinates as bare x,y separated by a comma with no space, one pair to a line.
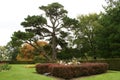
86,33
50,26
27,52
109,35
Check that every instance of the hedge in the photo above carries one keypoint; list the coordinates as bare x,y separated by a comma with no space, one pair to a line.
42,68
72,71
114,64
18,62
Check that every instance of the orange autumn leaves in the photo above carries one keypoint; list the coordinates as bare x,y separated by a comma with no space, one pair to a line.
26,51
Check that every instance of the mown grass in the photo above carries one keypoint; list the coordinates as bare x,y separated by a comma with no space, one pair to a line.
110,75
19,72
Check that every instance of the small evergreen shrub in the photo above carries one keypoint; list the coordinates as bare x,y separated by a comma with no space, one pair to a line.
4,66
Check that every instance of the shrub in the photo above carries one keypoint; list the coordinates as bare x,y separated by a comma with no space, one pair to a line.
0,68
114,63
94,68
71,71
4,66
43,68
20,62
62,71
68,53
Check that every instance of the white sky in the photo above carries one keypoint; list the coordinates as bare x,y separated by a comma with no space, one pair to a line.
13,12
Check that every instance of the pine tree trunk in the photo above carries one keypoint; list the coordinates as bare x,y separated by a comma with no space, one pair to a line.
54,45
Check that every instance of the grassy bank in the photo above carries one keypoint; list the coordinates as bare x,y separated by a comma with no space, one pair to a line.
19,72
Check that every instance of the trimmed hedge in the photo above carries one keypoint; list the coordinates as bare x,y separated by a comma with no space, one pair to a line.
42,68
18,62
72,71
114,64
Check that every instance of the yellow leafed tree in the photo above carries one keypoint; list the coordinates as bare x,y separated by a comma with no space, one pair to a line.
26,51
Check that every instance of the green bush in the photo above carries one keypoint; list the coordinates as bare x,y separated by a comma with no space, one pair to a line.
114,63
21,62
4,66
38,59
69,53
0,68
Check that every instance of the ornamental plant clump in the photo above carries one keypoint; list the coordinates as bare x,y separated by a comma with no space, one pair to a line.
74,61
71,71
4,67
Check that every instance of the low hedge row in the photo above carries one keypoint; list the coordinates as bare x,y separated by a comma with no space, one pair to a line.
18,62
72,71
42,68
114,64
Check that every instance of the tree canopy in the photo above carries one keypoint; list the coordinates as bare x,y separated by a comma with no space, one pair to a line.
109,33
95,35
51,26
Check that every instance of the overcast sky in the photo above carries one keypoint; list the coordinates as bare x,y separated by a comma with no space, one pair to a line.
13,12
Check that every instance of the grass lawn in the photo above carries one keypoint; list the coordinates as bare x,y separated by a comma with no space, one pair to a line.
19,72
110,75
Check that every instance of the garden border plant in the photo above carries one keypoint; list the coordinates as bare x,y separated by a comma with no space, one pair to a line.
4,67
71,71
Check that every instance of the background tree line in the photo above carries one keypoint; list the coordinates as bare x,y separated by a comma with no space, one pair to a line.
93,35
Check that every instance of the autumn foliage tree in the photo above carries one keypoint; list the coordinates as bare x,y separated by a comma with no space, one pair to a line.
28,53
